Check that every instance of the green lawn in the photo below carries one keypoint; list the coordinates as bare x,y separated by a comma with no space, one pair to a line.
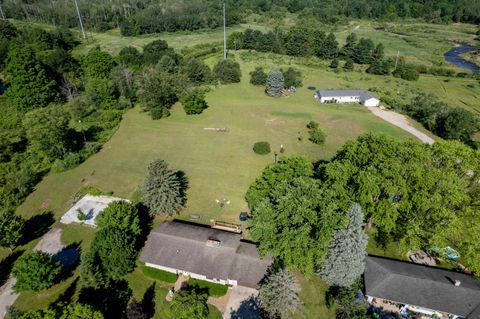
313,297
218,165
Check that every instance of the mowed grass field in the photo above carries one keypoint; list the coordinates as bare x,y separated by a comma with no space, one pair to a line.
218,165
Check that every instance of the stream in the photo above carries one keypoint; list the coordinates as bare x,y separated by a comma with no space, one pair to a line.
453,56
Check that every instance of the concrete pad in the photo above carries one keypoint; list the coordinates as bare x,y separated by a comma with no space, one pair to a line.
243,304
91,206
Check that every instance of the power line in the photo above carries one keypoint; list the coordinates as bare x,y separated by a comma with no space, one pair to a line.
80,19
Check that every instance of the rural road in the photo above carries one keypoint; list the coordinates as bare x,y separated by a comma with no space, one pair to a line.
402,122
50,243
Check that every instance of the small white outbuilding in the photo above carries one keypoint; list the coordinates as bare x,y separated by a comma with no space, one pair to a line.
347,96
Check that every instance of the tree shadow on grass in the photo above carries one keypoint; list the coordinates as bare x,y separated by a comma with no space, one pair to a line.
67,296
111,300
37,226
6,265
183,180
146,224
148,301
248,309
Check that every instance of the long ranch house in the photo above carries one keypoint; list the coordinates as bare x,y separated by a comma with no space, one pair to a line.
347,96
205,253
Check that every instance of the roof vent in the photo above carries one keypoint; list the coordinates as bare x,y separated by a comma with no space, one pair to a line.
457,283
213,243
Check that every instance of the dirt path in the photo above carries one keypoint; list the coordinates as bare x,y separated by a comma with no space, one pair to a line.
50,243
402,122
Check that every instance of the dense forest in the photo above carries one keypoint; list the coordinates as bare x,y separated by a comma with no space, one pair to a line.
142,17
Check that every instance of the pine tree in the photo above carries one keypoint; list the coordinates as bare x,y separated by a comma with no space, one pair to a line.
334,64
349,47
30,86
349,66
163,189
345,260
275,84
329,48
279,294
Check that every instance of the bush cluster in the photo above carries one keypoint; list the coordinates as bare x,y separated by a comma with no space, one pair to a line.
261,148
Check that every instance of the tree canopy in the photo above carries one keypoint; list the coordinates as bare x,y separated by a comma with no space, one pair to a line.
275,83
187,304
35,271
11,229
30,86
417,194
291,217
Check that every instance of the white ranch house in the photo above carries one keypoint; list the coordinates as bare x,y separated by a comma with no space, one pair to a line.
347,96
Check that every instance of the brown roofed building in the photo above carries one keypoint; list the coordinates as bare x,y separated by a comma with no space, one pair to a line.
205,253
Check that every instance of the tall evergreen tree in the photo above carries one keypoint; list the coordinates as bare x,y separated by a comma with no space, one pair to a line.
279,294
163,189
329,49
275,83
30,87
345,260
349,47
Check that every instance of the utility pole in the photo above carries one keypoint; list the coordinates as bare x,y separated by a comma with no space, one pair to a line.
224,35
1,13
396,61
80,19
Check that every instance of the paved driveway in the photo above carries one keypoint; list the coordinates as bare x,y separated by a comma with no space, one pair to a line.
243,304
402,122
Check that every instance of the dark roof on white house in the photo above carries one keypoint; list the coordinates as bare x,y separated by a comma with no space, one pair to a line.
363,94
418,285
183,246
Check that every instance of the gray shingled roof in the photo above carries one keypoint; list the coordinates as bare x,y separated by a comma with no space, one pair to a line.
423,286
183,246
363,94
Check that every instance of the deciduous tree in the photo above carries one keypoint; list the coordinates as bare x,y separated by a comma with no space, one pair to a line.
189,304
121,215
227,71
11,229
35,271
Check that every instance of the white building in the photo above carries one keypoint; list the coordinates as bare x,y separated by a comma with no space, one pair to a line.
347,96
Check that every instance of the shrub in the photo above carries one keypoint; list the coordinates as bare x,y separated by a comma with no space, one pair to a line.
36,271
159,274
349,66
227,71
214,290
334,64
262,148
316,134
291,78
258,76
194,103
275,84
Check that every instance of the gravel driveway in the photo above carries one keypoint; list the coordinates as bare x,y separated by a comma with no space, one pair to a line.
402,122
50,243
